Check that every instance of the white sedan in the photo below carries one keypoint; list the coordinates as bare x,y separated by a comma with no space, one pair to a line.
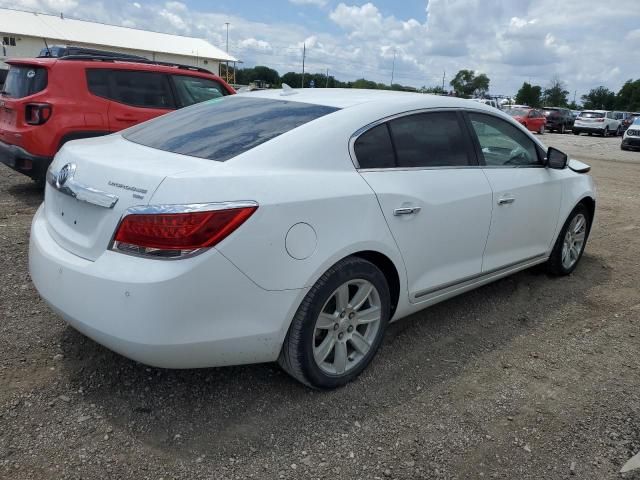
295,225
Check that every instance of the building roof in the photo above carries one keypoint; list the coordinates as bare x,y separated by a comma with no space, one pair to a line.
69,30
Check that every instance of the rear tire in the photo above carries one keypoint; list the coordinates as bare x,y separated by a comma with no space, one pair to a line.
570,244
605,133
330,340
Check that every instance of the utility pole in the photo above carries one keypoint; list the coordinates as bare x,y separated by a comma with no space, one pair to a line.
444,72
574,96
393,67
304,54
327,86
227,69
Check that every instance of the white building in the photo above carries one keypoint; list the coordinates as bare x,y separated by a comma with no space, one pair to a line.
23,34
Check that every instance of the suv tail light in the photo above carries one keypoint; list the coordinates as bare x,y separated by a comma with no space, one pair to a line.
178,231
37,113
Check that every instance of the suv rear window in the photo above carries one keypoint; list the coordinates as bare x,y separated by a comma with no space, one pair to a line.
24,80
592,115
223,128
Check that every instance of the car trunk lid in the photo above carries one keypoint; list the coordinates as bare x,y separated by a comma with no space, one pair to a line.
93,182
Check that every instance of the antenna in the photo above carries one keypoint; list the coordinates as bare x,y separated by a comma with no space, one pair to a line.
47,46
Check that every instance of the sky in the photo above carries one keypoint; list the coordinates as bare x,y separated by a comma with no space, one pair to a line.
584,43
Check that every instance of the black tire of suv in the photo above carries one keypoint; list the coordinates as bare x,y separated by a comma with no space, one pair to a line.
296,356
554,263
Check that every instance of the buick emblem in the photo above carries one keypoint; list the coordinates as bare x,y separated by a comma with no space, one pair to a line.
65,173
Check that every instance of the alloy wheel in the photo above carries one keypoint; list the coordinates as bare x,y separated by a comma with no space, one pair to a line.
574,241
347,327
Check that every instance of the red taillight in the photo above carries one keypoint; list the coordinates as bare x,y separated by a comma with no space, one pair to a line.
37,113
177,234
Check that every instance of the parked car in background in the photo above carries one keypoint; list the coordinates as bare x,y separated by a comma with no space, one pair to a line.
492,102
631,137
203,252
47,101
626,120
558,119
596,121
575,113
531,118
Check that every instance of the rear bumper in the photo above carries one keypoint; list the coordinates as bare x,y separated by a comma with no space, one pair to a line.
20,160
598,130
191,313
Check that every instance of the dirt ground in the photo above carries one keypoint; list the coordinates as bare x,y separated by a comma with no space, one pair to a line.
531,377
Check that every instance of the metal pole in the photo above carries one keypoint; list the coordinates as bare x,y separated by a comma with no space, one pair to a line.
444,72
304,54
393,66
327,86
227,69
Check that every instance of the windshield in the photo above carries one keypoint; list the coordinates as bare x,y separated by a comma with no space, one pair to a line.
517,112
223,128
592,115
24,80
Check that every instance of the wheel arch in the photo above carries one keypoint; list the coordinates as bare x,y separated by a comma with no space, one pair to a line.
388,269
590,204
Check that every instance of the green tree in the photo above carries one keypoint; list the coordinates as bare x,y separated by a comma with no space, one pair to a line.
467,83
555,95
529,95
599,98
628,98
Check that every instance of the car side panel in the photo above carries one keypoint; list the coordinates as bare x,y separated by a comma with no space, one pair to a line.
338,208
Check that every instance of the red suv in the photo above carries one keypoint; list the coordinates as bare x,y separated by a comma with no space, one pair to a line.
49,101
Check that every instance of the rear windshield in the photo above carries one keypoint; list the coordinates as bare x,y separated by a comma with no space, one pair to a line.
592,115
24,80
222,128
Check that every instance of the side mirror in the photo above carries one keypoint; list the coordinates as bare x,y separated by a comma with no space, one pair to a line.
556,159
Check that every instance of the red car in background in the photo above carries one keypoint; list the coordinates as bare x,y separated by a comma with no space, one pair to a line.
531,118
73,93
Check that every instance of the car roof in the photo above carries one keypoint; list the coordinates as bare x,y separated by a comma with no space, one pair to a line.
350,97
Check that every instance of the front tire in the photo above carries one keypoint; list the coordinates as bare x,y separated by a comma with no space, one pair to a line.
339,325
571,242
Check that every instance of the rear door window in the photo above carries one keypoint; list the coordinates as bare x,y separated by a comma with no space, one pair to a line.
135,88
430,140
190,90
225,127
24,80
373,148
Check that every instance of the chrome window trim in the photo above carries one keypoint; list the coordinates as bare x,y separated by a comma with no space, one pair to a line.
174,208
355,135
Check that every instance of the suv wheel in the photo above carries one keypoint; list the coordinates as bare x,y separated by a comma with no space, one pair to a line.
605,133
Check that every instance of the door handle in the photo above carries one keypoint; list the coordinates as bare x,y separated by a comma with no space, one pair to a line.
506,200
406,211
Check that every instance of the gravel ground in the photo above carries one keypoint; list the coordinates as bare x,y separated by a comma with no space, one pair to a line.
530,377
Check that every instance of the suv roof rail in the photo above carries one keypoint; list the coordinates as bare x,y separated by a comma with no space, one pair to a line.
61,51
133,59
